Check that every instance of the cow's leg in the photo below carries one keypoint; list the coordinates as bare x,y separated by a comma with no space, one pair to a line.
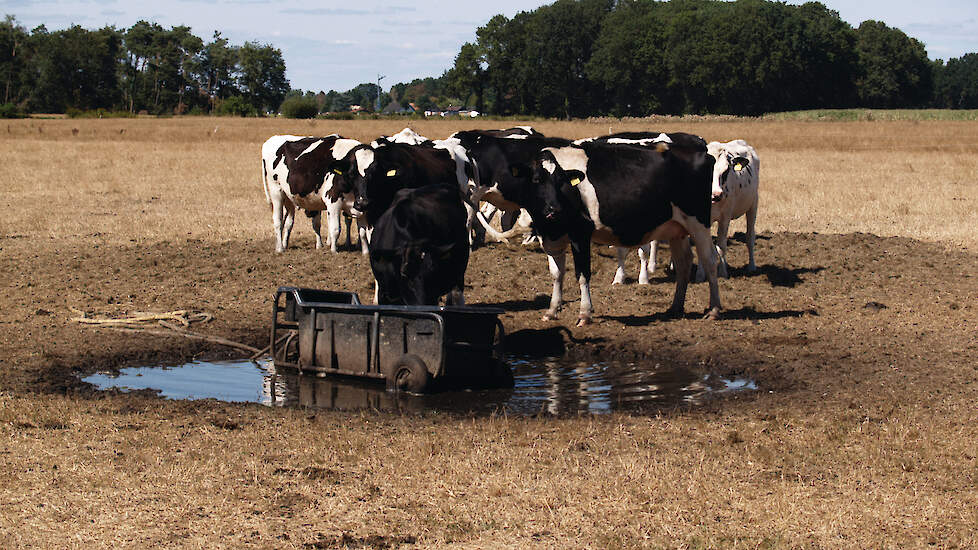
620,253
705,254
278,199
317,227
643,263
723,229
718,252
682,261
751,236
581,249
349,223
333,212
363,235
287,222
557,258
653,255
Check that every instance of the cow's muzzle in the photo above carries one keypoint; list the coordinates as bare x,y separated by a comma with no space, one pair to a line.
550,213
361,205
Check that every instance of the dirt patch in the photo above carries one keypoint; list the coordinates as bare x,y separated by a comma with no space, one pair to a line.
823,314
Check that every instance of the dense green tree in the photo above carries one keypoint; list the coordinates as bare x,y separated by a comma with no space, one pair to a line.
956,83
262,75
467,77
75,68
14,53
894,69
215,68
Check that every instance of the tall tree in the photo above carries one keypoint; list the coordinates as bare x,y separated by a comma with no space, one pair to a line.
467,77
13,60
894,69
262,75
76,68
956,83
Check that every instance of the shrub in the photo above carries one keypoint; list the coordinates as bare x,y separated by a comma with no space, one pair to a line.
235,106
9,110
299,107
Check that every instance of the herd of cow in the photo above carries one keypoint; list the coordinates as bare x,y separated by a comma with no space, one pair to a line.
416,202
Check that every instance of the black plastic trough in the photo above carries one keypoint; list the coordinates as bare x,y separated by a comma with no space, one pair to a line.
413,348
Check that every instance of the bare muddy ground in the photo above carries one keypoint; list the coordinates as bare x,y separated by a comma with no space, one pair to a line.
823,313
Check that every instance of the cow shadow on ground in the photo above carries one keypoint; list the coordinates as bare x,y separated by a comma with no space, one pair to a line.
541,301
547,342
742,314
776,275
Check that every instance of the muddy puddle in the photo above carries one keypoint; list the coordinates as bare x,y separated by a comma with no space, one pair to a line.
547,385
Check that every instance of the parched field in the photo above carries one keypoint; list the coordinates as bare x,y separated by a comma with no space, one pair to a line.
859,329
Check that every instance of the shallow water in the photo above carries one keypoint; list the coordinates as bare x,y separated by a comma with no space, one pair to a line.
549,385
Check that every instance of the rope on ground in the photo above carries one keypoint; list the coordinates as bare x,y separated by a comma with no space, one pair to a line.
145,323
183,316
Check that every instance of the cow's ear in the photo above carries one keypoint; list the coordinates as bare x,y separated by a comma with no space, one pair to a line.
574,177
739,163
410,260
519,170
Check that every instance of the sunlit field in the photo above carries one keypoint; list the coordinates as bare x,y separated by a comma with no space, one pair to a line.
858,328
149,179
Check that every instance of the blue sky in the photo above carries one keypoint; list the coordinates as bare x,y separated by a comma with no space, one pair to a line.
338,44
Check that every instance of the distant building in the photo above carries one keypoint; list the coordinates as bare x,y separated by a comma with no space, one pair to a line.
392,108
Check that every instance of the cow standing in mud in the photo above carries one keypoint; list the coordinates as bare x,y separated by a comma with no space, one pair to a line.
623,195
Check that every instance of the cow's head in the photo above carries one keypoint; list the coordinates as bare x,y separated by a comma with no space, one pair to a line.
545,184
727,166
371,176
421,266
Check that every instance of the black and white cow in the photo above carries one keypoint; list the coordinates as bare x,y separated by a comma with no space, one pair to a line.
648,252
297,172
419,249
736,176
623,195
374,173
493,154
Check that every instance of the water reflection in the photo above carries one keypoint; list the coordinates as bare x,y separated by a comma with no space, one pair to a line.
551,386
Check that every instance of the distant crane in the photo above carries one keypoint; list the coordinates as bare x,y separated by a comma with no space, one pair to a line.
379,78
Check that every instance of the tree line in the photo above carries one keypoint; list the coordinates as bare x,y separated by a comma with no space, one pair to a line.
145,68
572,58
577,58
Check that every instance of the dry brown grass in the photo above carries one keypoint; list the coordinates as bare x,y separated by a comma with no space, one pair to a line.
80,473
148,179
898,469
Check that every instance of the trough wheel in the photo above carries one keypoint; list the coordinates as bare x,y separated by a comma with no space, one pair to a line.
409,374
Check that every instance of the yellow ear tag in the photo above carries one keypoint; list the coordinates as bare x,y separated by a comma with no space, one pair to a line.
513,170
338,172
575,181
738,167
391,173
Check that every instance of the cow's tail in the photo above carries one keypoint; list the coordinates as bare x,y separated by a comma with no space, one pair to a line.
264,182
496,235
